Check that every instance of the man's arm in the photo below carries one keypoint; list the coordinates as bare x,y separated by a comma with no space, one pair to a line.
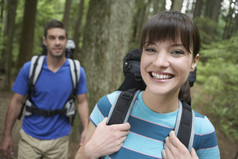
14,108
83,112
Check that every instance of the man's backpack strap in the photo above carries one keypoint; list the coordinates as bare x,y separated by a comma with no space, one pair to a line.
35,69
69,107
184,128
75,72
36,66
121,109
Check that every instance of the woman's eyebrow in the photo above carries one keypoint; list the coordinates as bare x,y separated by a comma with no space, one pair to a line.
174,45
150,43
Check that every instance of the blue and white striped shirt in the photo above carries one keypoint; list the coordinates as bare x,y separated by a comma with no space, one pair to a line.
149,130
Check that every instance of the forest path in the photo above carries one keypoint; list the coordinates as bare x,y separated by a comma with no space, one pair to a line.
228,147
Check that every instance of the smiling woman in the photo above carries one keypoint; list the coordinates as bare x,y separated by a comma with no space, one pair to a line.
170,44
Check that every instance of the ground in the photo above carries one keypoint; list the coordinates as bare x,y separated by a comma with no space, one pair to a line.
228,147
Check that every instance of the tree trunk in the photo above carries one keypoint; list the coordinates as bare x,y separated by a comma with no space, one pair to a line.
66,13
198,8
78,29
27,34
177,5
213,8
230,23
105,43
140,16
11,9
236,24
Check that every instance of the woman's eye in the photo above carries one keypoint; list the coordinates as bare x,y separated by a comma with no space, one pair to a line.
150,50
177,52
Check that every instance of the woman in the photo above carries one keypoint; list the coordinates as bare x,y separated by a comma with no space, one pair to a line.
170,45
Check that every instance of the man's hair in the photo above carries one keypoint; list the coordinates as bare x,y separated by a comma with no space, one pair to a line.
54,24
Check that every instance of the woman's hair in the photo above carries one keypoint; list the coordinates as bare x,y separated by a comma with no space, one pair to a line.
173,26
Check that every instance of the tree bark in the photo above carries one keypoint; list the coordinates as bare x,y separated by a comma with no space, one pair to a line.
177,5
198,8
105,43
230,22
213,8
27,34
78,28
65,19
11,15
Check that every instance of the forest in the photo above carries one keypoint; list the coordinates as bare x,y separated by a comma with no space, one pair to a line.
105,30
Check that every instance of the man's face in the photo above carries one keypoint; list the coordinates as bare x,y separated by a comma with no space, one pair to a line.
55,42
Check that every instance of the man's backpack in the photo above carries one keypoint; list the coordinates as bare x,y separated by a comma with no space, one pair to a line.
130,88
35,70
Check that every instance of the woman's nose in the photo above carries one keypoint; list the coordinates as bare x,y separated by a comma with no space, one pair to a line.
161,60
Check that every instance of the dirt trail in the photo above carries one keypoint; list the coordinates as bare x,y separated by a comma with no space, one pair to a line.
228,147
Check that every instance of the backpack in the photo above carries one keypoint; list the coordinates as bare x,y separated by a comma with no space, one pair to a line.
130,88
35,70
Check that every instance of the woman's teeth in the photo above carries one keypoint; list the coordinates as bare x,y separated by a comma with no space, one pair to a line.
159,76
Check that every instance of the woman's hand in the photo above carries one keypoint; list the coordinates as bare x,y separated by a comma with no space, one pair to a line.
105,140
174,149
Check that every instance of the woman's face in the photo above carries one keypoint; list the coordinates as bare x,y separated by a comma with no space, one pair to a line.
165,66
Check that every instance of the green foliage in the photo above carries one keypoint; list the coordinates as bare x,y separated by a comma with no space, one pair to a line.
209,30
218,79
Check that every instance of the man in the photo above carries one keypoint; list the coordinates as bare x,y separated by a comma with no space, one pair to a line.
46,136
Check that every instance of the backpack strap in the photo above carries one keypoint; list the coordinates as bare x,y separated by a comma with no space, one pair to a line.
120,111
35,69
184,128
75,73
69,107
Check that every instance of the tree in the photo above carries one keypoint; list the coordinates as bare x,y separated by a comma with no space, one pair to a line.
177,5
11,14
78,27
105,42
66,13
198,8
213,8
140,17
230,21
27,34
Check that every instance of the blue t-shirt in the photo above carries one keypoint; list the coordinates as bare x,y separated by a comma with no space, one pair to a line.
52,91
149,129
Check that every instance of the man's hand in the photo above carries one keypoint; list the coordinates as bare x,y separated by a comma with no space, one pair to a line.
83,135
174,149
6,147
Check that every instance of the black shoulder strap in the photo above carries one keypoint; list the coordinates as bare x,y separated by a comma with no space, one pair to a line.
184,128
120,111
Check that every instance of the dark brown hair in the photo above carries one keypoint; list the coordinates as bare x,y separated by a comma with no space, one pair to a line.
54,24
171,25
174,26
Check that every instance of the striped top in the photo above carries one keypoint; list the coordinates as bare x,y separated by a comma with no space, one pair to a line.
149,130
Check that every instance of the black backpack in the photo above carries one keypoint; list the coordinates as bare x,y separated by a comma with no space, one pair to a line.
131,86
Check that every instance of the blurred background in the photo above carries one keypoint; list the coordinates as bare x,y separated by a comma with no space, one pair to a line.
105,30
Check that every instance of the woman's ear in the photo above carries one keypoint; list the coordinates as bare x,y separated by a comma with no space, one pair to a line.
194,63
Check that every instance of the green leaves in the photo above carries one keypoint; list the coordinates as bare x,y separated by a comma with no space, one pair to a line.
218,77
